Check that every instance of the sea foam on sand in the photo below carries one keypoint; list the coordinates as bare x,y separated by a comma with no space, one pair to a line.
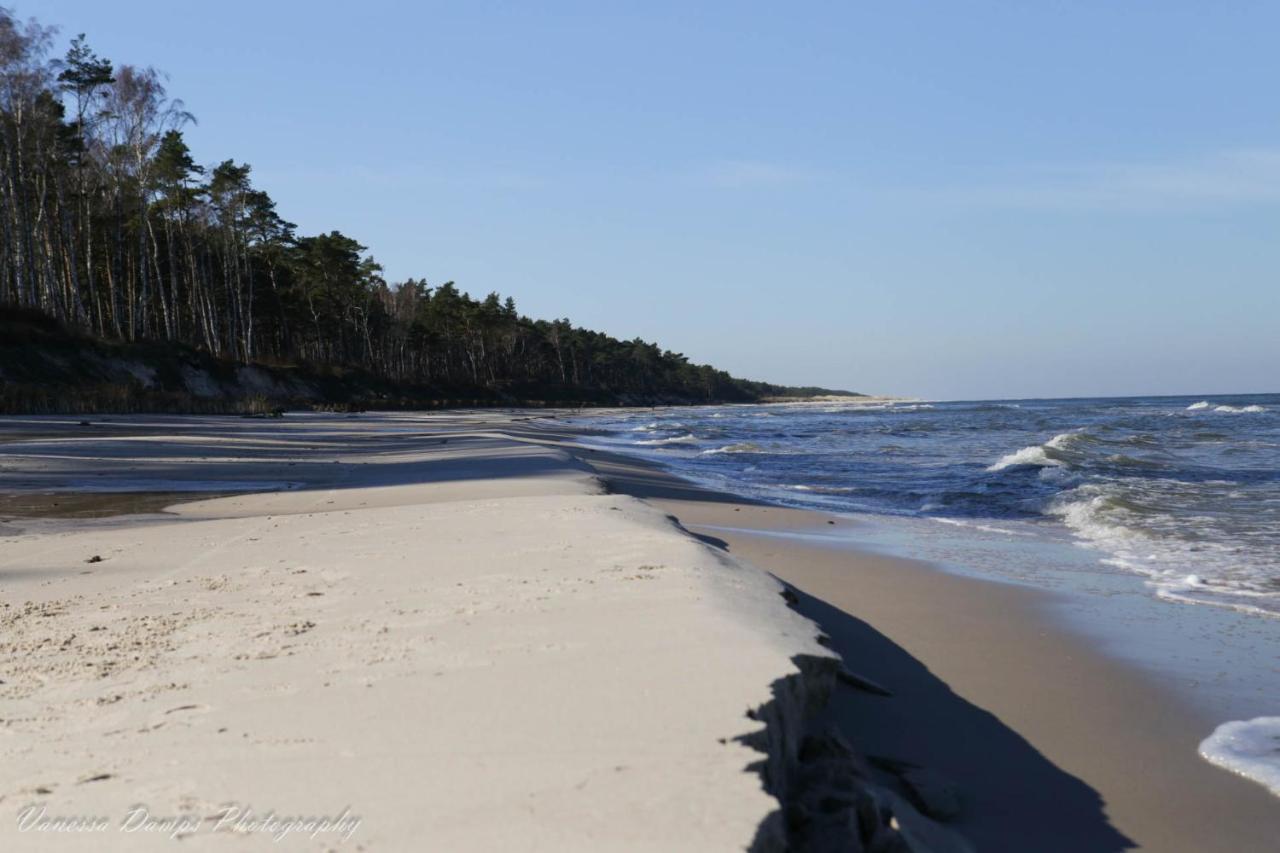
1250,748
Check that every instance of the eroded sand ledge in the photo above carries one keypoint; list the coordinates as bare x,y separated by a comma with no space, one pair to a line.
454,633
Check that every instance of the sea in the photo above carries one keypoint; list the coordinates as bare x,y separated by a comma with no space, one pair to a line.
1176,499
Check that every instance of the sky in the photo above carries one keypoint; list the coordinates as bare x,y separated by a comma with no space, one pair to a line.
945,200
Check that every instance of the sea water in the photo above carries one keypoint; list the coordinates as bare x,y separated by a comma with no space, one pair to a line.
1177,496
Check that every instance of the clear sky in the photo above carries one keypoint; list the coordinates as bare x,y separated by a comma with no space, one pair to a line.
940,199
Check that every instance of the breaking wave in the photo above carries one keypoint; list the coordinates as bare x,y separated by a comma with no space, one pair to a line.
740,447
657,442
822,490
1226,408
658,425
1040,455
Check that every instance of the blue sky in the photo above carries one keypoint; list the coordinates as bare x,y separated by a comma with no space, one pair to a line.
940,199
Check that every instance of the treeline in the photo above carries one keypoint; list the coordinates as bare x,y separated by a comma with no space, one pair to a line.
111,227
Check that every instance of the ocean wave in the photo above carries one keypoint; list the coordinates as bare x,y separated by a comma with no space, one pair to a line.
993,406
1039,455
1247,748
1077,450
1150,530
658,425
1225,408
1090,510
973,525
1122,460
822,490
740,447
679,439
1231,599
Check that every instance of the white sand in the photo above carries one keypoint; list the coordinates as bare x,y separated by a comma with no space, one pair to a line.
468,645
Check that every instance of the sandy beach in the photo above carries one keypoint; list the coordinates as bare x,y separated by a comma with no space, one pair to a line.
430,631
463,632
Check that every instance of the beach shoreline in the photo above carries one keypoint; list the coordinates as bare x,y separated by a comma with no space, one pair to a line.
1100,752
1018,732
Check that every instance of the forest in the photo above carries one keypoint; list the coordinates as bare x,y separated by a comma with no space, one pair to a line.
111,228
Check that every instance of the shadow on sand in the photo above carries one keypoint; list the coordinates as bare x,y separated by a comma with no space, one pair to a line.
1014,798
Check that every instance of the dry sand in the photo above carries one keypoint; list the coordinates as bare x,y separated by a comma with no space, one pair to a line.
455,636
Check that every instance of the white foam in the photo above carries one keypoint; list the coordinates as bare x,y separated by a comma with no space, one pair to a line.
679,439
1220,577
740,447
1033,455
826,490
1036,454
972,525
1170,593
658,425
1250,748
1226,408
1084,510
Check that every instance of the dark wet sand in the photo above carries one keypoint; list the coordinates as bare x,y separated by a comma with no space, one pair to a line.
94,504
36,504
1056,747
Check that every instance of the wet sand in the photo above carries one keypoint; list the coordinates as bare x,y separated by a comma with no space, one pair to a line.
93,504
